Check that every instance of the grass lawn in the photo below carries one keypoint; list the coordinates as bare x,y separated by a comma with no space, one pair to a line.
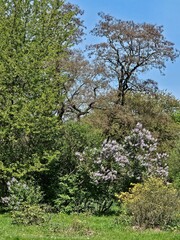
80,227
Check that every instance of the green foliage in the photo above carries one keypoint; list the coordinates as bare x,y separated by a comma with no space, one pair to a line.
74,190
80,227
40,91
176,116
174,164
97,173
23,201
123,218
29,214
35,37
65,168
75,137
72,195
114,121
78,193
21,193
113,166
152,203
155,113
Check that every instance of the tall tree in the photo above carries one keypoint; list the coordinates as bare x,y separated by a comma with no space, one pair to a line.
34,36
129,49
83,88
156,112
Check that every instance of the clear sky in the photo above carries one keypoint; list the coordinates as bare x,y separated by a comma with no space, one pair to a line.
160,12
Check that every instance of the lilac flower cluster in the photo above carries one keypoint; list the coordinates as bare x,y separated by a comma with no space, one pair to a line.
108,162
113,150
104,175
6,200
141,147
141,139
137,155
20,192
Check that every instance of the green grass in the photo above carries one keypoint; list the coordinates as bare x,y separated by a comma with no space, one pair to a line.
79,227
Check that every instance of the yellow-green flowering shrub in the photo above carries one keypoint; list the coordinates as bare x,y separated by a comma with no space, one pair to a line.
152,203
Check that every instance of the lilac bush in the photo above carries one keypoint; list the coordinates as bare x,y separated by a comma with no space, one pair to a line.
106,168
114,165
136,157
20,192
110,162
140,147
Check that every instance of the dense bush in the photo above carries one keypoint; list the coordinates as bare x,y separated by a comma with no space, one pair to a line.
174,164
23,201
87,172
112,166
29,214
74,193
20,192
152,203
141,149
176,116
65,173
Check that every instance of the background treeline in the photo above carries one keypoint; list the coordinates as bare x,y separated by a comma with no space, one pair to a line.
78,127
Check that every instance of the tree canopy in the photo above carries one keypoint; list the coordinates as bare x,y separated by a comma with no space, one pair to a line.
128,49
35,35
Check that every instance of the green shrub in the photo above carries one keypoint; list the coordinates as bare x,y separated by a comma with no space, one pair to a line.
152,203
23,201
29,214
113,166
20,192
72,194
176,116
174,164
74,137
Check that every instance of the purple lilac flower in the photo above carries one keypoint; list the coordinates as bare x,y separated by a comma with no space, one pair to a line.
114,158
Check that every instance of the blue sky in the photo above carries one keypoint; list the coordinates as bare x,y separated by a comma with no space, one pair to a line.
160,12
